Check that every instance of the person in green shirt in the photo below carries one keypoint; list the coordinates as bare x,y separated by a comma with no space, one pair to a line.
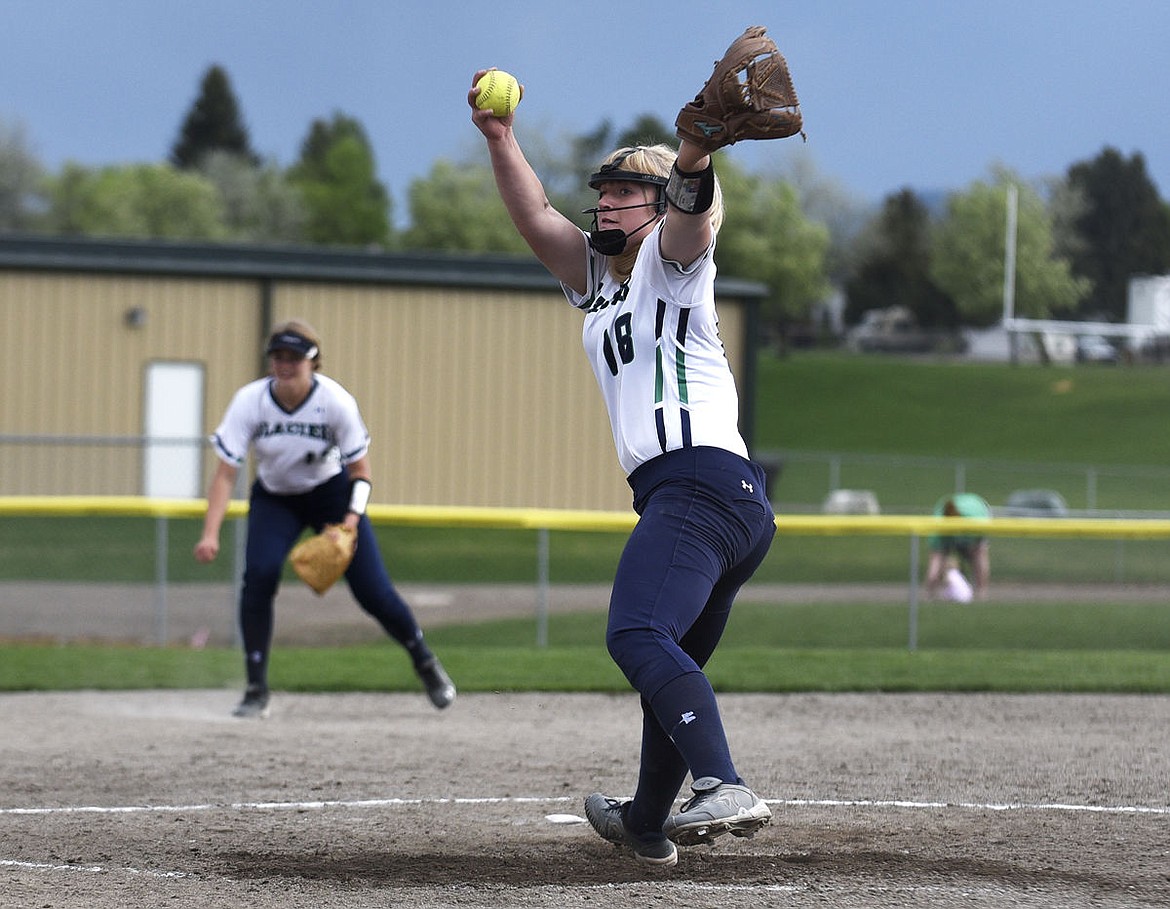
966,550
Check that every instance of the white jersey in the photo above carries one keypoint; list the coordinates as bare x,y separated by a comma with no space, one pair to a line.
654,345
296,450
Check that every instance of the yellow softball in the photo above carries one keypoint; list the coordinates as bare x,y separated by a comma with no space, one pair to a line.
499,92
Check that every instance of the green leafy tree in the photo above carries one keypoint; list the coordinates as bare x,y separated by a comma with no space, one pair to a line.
336,174
648,130
212,124
968,258
21,177
149,201
767,238
825,200
564,163
457,209
1066,206
894,269
259,203
1123,227
323,134
587,150
565,175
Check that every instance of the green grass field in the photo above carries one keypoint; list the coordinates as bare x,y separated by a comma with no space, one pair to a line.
1040,414
1012,426
1114,647
812,402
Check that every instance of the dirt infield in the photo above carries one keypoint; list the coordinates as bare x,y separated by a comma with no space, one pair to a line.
162,799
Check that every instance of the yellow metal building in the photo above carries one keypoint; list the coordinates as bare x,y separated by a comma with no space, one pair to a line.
120,357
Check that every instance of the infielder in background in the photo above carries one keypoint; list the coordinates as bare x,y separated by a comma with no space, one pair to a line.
310,446
644,278
970,551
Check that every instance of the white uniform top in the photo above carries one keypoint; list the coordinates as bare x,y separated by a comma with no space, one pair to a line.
298,450
655,349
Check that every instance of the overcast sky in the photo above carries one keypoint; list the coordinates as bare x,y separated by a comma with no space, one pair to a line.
927,94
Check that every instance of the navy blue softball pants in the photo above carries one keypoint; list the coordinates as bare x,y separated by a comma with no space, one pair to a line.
275,522
705,526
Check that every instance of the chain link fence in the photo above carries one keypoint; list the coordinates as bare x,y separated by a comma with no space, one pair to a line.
802,482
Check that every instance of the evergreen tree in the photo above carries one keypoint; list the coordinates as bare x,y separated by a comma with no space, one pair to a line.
648,130
895,270
212,124
345,202
313,163
1124,229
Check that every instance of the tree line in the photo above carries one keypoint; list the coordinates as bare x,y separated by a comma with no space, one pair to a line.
1080,237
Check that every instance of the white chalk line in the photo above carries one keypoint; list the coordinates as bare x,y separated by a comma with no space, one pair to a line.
283,806
511,800
317,805
970,806
88,869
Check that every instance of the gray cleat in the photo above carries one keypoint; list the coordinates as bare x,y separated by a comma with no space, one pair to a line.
715,809
607,817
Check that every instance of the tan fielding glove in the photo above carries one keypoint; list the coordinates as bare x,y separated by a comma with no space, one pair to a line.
320,560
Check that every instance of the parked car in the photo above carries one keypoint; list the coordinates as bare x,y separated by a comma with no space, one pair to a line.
891,330
851,501
1095,349
1035,503
895,330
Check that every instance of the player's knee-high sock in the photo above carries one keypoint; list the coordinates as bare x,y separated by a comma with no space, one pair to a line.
371,586
660,776
686,709
256,632
420,653
400,625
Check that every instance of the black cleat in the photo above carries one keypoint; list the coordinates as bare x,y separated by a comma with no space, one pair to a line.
440,688
254,705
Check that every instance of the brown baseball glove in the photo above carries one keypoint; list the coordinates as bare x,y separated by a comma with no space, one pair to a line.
749,96
320,560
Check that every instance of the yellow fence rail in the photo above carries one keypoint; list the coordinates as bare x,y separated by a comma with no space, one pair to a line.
615,521
543,520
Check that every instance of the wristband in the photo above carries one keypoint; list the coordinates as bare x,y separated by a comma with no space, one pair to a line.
359,496
692,192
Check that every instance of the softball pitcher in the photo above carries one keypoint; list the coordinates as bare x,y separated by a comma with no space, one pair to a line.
643,277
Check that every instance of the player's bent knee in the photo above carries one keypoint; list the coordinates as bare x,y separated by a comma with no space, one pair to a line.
647,658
